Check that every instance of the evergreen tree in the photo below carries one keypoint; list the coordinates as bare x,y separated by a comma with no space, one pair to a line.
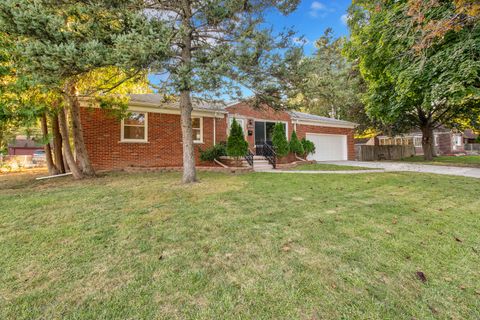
57,44
279,140
295,145
216,48
308,147
236,144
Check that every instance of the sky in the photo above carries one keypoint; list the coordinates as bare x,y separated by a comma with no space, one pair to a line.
311,19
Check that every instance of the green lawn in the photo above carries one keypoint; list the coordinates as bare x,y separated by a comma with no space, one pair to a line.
461,161
327,167
253,246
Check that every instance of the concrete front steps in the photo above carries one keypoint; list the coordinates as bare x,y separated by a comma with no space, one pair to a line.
260,163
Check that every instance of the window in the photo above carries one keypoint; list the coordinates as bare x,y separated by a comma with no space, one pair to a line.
458,140
197,130
437,140
134,127
241,122
417,142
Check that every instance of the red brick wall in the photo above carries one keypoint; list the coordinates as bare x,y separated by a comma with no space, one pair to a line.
302,130
261,113
267,113
163,149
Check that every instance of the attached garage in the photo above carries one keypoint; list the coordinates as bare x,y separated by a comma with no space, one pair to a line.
328,147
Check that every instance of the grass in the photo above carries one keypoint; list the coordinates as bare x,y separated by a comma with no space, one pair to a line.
254,246
460,161
327,167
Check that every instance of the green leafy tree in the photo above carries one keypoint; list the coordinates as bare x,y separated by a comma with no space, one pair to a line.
217,48
236,145
328,85
295,146
57,44
416,78
279,140
308,147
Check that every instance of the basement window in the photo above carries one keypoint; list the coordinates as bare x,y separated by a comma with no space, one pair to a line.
134,127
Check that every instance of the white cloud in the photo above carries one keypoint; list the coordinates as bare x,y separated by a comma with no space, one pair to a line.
317,6
344,18
301,41
318,9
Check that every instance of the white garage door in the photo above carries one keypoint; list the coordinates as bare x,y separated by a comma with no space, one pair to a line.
328,147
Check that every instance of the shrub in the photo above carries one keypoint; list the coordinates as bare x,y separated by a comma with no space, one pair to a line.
236,144
308,147
295,145
214,152
279,140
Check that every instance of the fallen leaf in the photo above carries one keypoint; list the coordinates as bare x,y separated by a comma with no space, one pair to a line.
395,221
462,287
434,311
388,232
458,239
477,292
421,276
334,286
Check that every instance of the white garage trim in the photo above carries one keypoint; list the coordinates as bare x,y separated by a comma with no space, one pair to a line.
328,147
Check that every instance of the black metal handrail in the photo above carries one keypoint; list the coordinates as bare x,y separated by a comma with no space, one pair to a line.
249,157
270,154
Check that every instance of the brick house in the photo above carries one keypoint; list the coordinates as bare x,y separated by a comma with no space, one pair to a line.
151,135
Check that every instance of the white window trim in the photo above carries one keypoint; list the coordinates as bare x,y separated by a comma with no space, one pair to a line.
244,126
122,130
201,130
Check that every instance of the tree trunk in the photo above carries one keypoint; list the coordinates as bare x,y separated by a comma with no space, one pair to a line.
189,172
62,121
52,169
428,144
57,145
77,130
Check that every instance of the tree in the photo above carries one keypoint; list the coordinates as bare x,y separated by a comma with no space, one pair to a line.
279,140
328,85
308,146
57,44
236,144
413,83
295,146
217,47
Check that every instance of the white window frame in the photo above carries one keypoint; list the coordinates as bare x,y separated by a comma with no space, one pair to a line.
122,129
201,129
243,125
458,140
437,140
417,142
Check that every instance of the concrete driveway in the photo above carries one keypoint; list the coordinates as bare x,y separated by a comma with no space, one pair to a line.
412,167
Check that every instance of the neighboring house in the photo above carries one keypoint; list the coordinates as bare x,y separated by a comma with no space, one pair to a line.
446,141
151,136
469,136
23,146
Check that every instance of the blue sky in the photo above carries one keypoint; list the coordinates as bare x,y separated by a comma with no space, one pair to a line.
311,19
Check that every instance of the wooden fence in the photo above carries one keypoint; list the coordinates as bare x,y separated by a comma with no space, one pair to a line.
375,153
472,147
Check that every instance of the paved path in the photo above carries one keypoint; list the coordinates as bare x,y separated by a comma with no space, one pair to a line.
412,167
319,171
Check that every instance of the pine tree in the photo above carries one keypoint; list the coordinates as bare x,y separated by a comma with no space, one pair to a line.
279,140
236,144
295,145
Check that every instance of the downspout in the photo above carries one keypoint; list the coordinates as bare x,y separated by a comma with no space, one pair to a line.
215,128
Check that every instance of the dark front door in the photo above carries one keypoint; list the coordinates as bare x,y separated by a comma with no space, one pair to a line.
263,134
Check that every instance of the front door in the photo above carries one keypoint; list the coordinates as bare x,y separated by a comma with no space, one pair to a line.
263,134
